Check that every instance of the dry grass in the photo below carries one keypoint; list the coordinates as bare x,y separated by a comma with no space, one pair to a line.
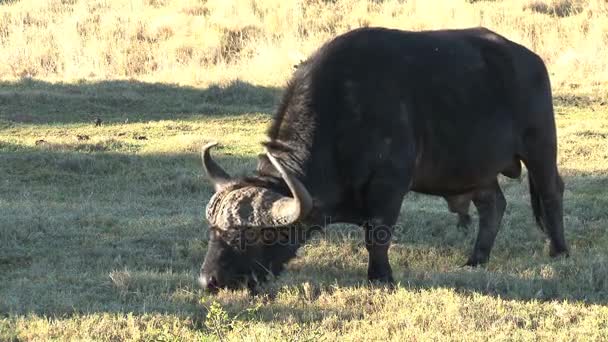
202,42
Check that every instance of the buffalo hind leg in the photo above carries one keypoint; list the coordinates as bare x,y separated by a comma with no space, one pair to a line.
490,203
383,203
459,204
546,185
546,193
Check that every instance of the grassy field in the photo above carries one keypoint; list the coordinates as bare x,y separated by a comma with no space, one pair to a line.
103,235
101,226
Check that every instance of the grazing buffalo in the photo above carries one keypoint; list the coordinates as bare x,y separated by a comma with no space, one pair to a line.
371,115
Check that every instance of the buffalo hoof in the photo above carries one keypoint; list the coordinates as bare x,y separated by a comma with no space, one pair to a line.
382,284
475,262
555,252
387,281
252,288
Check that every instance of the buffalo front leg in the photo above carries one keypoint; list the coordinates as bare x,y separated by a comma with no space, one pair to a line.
383,203
377,241
490,203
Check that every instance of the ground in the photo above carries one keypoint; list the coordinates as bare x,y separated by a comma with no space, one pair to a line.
103,232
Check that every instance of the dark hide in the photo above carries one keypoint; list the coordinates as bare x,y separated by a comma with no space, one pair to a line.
375,113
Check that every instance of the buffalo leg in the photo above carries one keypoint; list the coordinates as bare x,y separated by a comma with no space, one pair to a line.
383,203
460,205
490,203
546,192
464,220
546,185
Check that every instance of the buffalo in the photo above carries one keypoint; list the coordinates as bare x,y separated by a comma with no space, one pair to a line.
375,113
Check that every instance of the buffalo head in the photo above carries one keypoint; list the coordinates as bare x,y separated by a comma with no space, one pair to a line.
251,226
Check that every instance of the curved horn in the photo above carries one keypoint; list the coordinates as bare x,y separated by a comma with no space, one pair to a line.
218,177
293,209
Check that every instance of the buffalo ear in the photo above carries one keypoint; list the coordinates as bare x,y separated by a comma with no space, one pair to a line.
216,175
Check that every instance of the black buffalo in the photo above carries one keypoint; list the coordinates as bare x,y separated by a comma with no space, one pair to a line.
373,114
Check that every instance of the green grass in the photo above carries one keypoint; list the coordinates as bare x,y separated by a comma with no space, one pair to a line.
102,238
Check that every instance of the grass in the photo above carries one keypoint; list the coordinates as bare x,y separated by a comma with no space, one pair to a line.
102,238
101,226
205,42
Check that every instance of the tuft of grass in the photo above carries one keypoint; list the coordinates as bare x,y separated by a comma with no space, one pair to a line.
559,8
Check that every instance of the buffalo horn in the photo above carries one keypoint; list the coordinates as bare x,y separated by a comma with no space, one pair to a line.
217,176
290,210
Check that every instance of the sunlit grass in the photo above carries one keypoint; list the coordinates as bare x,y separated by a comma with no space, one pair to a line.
203,42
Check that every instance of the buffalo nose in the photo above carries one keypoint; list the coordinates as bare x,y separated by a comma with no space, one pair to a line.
208,283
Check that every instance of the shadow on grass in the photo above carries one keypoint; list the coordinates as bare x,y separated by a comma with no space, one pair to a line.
34,101
102,231
111,232
39,102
